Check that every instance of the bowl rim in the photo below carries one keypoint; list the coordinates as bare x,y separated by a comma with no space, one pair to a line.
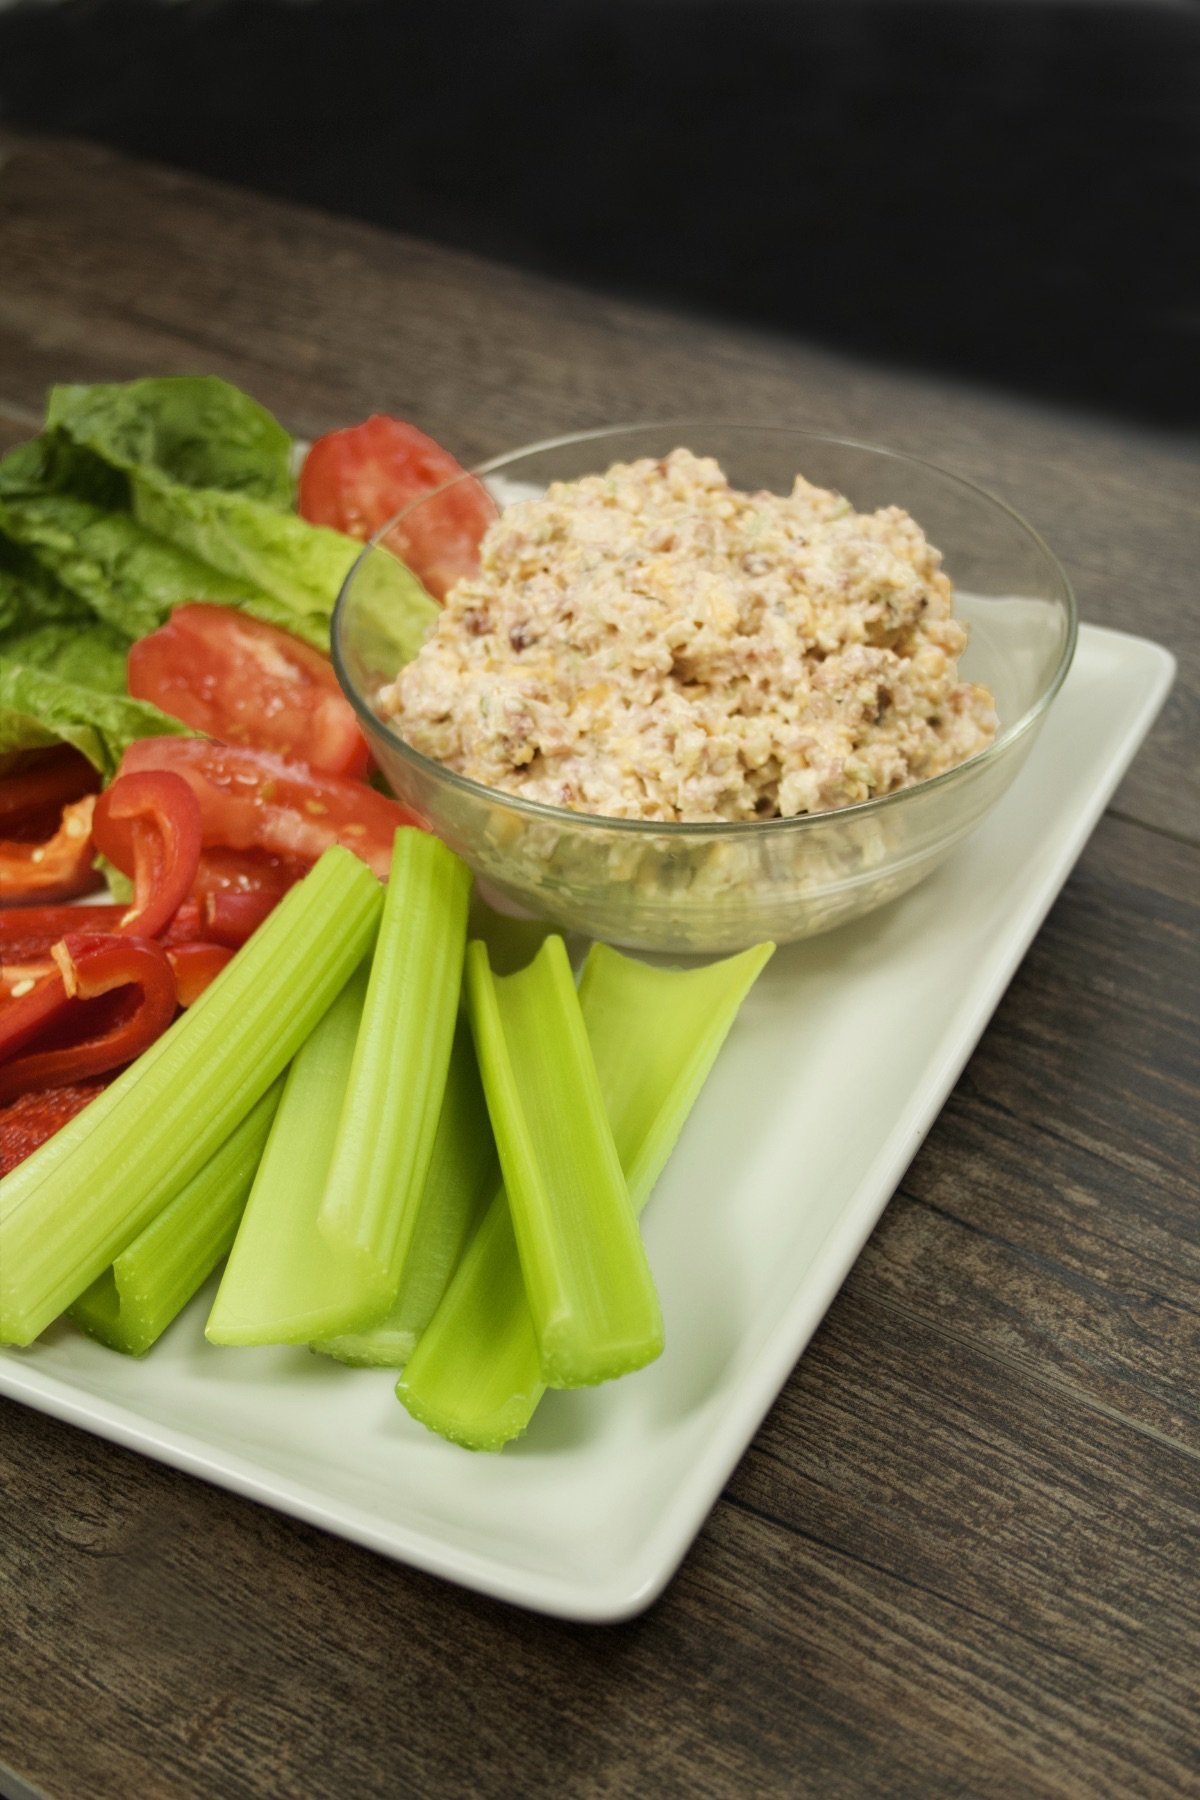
567,817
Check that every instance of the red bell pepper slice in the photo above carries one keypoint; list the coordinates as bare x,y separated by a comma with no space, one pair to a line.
27,1121
194,966
187,926
43,781
232,918
36,1002
58,867
29,931
90,965
149,826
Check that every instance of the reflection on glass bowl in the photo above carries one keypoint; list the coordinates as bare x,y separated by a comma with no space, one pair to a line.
719,887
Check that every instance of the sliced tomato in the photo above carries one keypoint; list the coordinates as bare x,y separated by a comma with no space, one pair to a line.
224,871
358,479
246,682
253,800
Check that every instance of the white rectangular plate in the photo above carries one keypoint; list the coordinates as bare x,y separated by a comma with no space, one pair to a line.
838,1065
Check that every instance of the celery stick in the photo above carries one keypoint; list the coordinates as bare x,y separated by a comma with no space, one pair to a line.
511,942
394,1092
155,1276
475,1376
591,1293
74,1205
283,1281
463,1174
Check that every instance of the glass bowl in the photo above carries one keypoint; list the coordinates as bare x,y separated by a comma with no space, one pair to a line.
720,887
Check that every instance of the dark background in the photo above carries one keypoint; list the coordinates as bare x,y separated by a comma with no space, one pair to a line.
1001,189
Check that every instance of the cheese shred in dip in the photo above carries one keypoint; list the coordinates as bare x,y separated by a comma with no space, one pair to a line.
652,644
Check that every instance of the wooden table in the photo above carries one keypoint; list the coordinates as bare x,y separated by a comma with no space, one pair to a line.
961,1556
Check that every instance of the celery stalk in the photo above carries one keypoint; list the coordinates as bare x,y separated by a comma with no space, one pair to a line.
283,1282
462,1178
74,1205
511,942
475,1375
394,1092
590,1290
155,1276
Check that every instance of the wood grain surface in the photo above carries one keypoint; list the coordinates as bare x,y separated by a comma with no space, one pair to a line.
962,1556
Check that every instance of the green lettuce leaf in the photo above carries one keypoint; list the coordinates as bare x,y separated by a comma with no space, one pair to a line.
195,430
39,708
299,565
137,498
91,655
122,573
30,594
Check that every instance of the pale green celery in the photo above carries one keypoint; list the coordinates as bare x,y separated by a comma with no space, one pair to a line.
475,1376
591,1293
462,1178
283,1282
511,942
155,1276
389,1115
73,1206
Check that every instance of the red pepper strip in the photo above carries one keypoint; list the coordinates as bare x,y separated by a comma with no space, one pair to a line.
16,978
56,869
44,782
149,826
92,964
194,966
187,927
232,918
24,1016
29,931
28,1121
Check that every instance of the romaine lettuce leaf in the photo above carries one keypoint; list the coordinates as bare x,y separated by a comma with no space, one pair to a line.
30,594
299,565
196,430
137,498
92,654
124,574
38,708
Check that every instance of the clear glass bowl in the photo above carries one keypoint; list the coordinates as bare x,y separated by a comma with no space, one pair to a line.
721,887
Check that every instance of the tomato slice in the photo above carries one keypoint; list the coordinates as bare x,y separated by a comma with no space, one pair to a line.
253,800
246,682
358,479
224,871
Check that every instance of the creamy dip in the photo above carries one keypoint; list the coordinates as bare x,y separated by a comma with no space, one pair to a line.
652,644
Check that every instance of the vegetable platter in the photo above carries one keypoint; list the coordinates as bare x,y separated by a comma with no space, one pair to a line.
274,1045
195,1259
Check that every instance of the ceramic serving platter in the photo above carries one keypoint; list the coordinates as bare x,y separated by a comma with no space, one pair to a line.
835,1070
